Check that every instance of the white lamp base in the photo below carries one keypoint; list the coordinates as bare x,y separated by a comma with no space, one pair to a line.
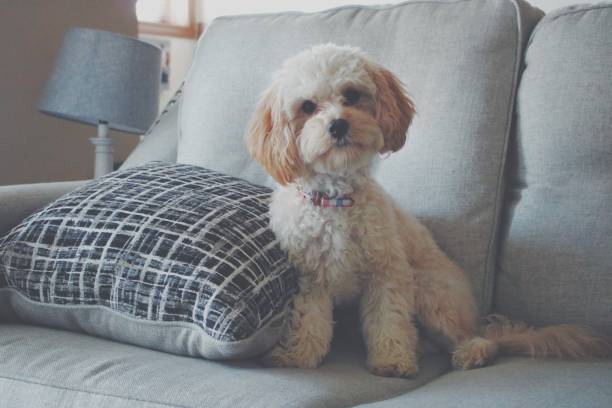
104,151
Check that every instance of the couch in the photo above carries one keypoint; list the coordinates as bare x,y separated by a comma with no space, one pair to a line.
509,162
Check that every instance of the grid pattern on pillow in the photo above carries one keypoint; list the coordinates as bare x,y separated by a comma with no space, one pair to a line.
161,242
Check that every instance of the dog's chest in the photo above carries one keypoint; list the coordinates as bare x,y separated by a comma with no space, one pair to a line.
323,243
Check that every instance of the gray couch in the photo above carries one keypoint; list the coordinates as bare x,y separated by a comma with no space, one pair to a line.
509,162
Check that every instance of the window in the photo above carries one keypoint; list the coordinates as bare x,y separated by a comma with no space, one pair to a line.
173,18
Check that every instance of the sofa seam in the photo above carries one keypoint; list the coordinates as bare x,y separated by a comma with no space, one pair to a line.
166,110
492,255
549,18
43,384
553,16
339,8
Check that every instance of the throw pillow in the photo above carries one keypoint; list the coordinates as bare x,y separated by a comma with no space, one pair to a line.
167,256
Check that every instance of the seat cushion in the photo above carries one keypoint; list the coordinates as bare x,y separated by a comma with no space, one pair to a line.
556,262
42,368
459,61
516,383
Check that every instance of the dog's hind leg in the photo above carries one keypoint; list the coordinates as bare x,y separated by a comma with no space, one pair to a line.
445,306
444,302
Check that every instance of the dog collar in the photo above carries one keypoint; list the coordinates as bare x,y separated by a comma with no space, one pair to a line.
324,200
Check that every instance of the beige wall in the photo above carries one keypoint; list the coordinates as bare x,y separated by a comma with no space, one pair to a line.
35,147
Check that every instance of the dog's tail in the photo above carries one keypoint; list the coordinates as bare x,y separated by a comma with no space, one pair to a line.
563,341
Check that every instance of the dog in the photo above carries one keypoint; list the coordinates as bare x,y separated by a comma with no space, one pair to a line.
328,113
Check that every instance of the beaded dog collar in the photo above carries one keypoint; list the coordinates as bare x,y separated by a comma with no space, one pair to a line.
323,200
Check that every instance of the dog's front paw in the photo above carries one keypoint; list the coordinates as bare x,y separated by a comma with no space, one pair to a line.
396,365
474,353
281,357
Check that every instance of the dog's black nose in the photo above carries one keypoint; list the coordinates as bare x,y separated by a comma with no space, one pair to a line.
338,128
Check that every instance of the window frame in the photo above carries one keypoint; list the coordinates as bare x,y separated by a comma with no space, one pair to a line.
192,30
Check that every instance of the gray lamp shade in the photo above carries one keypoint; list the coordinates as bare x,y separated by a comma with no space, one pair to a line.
104,77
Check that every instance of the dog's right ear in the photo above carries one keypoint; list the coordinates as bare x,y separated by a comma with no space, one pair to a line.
271,141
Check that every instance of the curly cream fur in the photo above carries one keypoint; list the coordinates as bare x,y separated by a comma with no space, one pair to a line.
371,253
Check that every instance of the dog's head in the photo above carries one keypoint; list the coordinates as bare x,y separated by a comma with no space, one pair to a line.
329,110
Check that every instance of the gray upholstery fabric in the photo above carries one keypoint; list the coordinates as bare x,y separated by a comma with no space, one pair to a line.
160,141
17,393
516,383
556,262
19,201
50,368
459,60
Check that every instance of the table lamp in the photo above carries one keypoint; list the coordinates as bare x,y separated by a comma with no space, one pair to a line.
107,80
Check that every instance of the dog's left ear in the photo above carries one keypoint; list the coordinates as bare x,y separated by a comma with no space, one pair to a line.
394,109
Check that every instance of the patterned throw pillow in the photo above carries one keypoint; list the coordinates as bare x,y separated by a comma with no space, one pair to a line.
167,256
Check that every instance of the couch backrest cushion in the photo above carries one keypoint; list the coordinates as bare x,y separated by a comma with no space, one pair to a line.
556,263
458,59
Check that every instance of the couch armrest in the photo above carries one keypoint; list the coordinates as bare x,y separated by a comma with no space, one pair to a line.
19,201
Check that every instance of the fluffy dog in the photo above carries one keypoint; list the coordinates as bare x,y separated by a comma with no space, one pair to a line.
329,111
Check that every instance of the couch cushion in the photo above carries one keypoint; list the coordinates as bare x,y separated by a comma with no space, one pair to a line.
459,60
556,263
168,256
42,367
516,383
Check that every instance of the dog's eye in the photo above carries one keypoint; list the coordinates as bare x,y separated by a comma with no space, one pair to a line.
308,107
351,97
